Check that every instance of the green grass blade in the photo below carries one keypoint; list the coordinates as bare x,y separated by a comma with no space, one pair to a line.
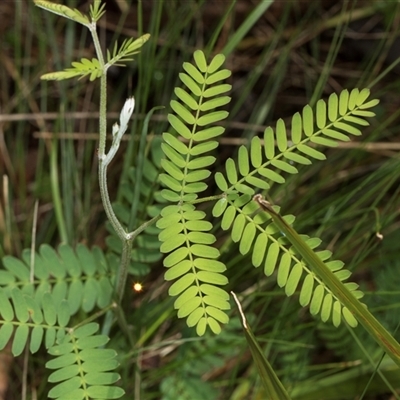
273,386
360,312
256,14
55,187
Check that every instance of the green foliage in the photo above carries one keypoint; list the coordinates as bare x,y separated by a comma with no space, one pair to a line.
22,314
238,210
83,68
40,292
184,232
65,11
124,53
262,165
36,308
96,67
191,257
83,366
97,10
82,276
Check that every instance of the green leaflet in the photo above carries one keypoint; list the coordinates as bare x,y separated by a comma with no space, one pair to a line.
6,309
179,146
208,133
247,238
186,98
308,121
255,152
238,227
293,279
216,90
261,245
231,171
316,300
271,258
281,138
203,148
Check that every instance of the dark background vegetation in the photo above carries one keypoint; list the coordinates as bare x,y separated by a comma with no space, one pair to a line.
290,54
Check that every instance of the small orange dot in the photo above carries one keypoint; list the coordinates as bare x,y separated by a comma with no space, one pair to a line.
137,287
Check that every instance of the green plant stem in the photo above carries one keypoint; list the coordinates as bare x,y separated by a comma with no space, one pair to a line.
96,315
209,198
104,160
123,268
103,164
370,323
105,198
55,188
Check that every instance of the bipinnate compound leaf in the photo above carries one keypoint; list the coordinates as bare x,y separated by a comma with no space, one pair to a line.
184,232
92,68
261,165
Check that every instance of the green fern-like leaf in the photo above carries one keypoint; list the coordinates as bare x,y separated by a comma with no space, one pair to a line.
81,276
83,68
82,366
64,11
192,260
124,53
21,315
97,10
333,121
260,166
258,235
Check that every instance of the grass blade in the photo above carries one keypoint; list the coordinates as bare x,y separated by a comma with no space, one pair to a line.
273,386
370,323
